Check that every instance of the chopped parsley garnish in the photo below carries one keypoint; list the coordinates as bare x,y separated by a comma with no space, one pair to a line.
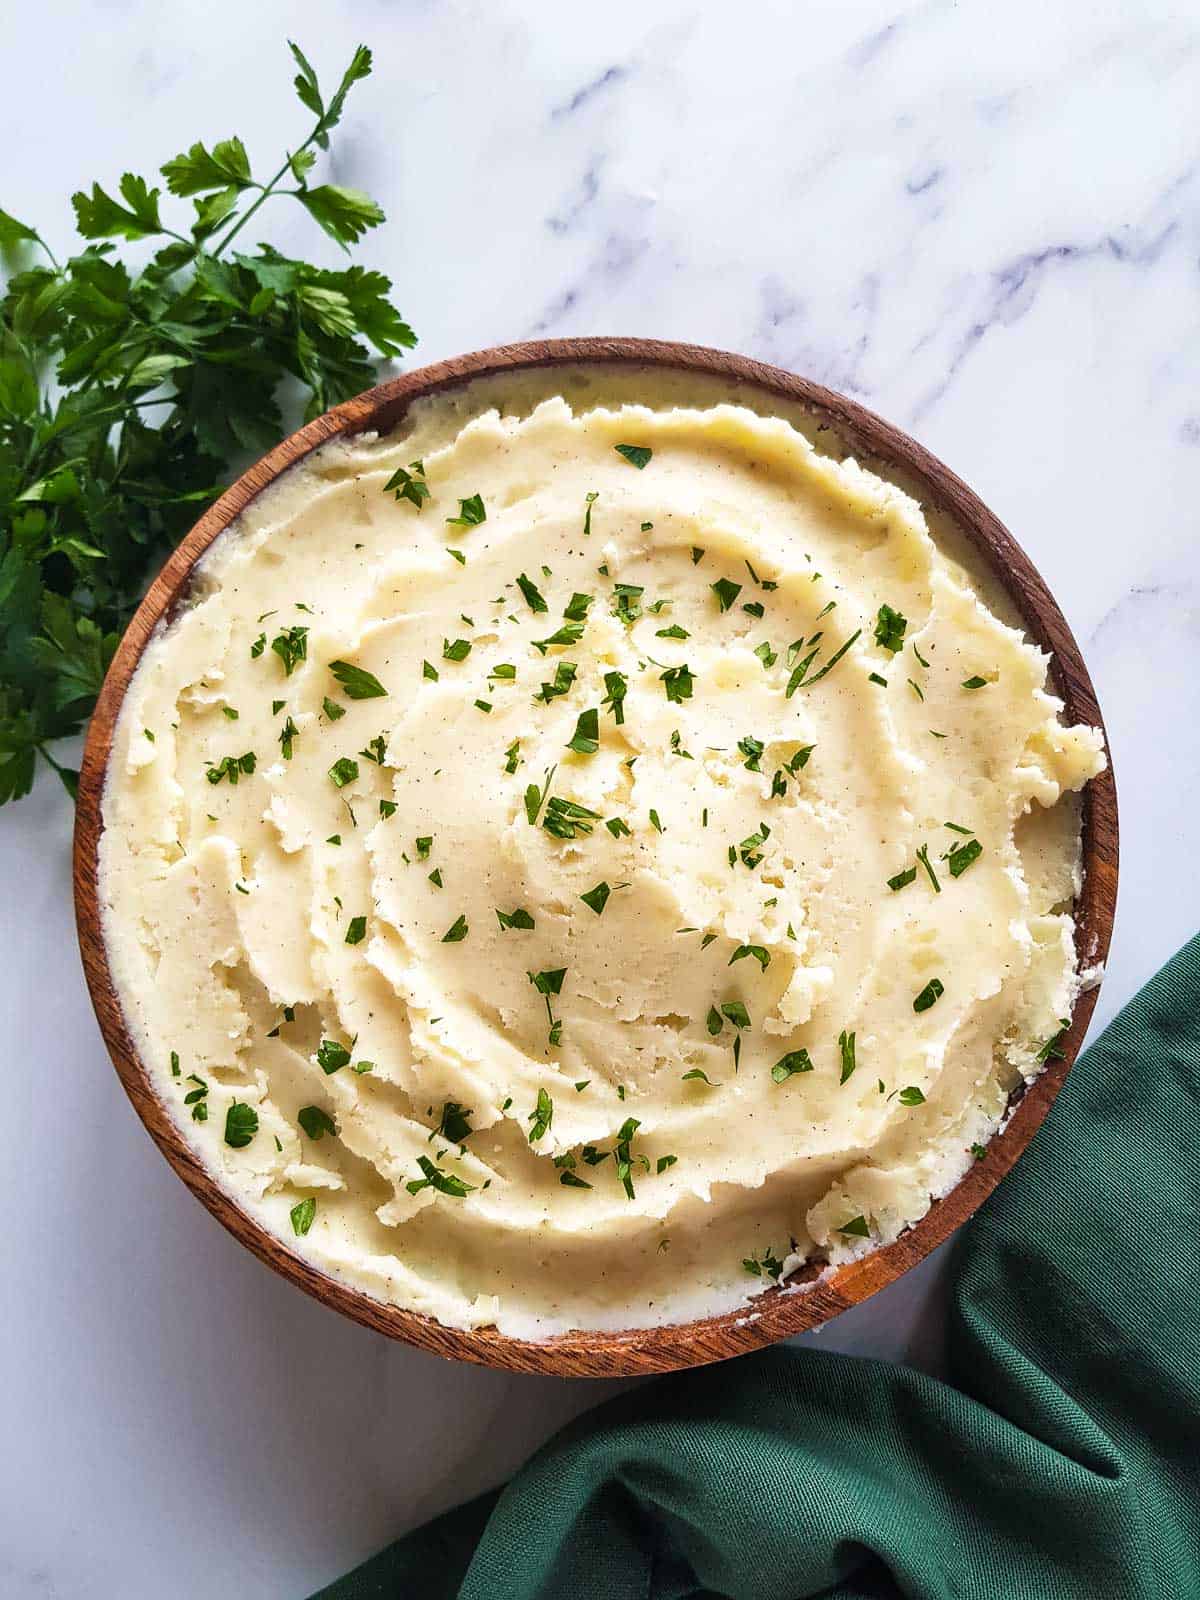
617,827
566,819
961,857
512,757
376,750
443,1182
541,1116
470,513
288,735
454,1124
624,1158
929,995
911,1096
787,1066
589,500
656,821
343,771
677,746
889,629
428,670
617,686
457,555
241,1124
316,1122
919,656
637,455
978,1151
752,749
916,689
334,838
534,797
197,1098
673,632
755,608
903,879
975,683
798,680
569,1179
226,711
259,645
762,956
387,808
586,739
358,683
232,767
874,677
923,858
736,1012
564,677
174,1063
678,683
663,1163
435,877
846,1047
357,931
698,1076
576,609
726,592
596,899
1051,1048
519,918
458,650
627,599
424,844
569,633
302,1215
457,931
533,595
332,1056
856,1228
750,847
291,646
409,484
766,655
770,1266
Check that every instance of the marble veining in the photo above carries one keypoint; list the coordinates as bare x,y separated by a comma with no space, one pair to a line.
981,221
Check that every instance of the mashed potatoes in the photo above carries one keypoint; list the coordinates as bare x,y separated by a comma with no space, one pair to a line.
573,876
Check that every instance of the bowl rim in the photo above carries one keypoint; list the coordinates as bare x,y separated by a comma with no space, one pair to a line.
815,1296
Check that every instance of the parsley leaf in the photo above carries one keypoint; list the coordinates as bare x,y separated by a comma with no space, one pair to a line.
726,592
787,1066
533,595
586,740
358,683
636,454
471,513
929,995
596,899
241,1124
889,629
316,1122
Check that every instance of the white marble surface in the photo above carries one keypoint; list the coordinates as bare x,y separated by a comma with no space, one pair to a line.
981,220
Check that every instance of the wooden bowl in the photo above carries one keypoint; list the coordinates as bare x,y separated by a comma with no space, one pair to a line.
874,442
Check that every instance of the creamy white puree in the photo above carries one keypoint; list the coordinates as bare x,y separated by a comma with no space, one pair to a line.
228,905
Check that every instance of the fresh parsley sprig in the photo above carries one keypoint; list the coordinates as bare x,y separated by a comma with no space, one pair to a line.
130,393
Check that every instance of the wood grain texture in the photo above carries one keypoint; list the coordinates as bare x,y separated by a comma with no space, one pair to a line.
780,1311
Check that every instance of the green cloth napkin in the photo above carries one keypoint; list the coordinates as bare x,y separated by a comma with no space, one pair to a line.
1061,1460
